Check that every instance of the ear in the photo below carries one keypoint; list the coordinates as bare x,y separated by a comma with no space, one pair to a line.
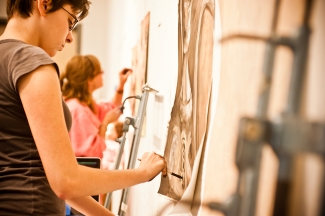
90,82
43,6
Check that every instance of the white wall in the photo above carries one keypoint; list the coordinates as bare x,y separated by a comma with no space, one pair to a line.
162,75
94,35
110,33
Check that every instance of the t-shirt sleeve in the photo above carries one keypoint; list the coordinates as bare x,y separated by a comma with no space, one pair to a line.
26,59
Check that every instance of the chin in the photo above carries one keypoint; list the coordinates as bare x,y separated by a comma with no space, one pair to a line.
52,54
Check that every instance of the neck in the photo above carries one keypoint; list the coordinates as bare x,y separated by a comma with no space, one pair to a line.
22,29
94,106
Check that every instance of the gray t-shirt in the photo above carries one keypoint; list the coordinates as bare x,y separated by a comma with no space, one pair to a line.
24,188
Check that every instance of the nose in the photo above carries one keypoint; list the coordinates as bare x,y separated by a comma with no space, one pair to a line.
69,38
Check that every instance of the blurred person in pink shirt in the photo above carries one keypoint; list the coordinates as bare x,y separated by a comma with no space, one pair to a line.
82,76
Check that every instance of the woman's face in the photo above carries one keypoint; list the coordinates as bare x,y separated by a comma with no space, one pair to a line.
56,32
96,82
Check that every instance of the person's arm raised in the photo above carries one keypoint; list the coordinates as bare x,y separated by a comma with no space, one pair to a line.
111,116
123,76
41,98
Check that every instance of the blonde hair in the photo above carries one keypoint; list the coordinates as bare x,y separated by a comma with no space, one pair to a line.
74,80
119,128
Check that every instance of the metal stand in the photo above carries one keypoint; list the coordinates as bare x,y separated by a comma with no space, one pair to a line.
137,123
128,121
288,136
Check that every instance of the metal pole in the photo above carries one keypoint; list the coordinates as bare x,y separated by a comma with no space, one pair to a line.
135,143
300,51
249,175
128,121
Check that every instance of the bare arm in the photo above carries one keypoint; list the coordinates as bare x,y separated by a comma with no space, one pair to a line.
110,117
88,206
113,115
123,76
41,97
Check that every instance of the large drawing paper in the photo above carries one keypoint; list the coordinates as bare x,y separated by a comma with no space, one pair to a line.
188,120
183,207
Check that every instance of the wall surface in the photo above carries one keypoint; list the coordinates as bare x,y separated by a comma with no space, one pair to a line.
240,84
110,32
240,66
112,29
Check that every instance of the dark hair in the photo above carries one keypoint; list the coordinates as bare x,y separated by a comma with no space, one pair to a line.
25,7
74,80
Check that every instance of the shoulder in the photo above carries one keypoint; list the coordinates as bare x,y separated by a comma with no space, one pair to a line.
81,113
76,106
74,102
20,50
21,58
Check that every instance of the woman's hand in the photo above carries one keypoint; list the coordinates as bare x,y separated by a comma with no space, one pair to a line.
123,75
152,164
112,116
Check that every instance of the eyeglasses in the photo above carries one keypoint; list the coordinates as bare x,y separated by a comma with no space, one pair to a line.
75,22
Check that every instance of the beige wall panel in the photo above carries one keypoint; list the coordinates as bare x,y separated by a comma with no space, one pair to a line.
248,16
315,97
241,68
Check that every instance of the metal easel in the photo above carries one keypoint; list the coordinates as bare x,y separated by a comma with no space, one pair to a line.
288,136
137,123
